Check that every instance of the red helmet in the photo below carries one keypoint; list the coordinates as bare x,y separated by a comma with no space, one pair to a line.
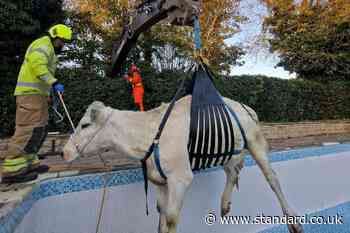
134,68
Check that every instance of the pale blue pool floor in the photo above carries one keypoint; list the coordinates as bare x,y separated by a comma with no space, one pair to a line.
341,209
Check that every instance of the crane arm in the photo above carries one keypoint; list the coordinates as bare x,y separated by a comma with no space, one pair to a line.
147,14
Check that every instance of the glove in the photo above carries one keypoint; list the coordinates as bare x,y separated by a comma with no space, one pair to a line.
58,87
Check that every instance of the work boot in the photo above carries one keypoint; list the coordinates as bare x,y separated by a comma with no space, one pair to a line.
17,171
13,167
19,178
34,164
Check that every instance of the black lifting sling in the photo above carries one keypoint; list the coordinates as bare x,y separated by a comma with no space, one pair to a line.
211,139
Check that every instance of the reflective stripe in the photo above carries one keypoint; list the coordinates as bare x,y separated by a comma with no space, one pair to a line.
137,85
27,84
45,78
14,169
14,162
45,89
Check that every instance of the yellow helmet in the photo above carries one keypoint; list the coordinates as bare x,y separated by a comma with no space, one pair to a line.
61,31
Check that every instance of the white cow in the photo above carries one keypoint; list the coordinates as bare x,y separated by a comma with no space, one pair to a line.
131,133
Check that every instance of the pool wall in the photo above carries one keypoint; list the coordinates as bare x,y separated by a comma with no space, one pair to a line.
74,204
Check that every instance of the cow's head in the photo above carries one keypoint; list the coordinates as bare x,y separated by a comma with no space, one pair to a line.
92,136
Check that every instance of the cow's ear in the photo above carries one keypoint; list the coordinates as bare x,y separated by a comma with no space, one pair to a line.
96,111
95,114
97,104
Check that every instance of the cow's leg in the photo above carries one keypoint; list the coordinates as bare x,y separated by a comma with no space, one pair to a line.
232,169
161,207
177,188
258,148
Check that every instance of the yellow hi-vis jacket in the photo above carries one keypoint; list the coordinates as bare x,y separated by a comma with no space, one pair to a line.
38,69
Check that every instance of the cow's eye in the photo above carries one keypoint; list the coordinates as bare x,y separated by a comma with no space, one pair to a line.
85,125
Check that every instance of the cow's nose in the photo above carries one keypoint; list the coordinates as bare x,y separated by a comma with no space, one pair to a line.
65,156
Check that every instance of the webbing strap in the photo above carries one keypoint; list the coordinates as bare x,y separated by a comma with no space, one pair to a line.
144,172
156,139
169,109
197,34
157,161
239,126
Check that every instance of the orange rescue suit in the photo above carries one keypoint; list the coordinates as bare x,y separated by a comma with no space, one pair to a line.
137,88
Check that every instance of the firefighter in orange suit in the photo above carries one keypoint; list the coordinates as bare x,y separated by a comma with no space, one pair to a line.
134,77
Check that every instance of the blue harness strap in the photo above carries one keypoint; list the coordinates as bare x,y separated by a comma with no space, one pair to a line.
239,126
197,34
154,146
157,160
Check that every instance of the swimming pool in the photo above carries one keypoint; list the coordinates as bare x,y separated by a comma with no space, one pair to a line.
314,181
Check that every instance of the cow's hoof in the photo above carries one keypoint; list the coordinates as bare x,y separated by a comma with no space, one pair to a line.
226,209
295,228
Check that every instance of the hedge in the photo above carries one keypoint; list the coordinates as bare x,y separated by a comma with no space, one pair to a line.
274,100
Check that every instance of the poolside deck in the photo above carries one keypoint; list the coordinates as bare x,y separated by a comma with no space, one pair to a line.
108,162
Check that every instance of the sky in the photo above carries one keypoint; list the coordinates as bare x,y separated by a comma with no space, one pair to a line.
256,61
261,66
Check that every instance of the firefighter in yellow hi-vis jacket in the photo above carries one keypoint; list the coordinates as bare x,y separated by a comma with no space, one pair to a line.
35,79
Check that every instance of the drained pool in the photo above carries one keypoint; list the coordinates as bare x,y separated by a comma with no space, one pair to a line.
314,180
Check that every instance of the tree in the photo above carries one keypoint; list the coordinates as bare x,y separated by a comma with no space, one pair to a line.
86,50
220,19
20,23
312,37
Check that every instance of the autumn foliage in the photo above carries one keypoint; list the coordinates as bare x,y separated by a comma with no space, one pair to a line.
312,37
219,21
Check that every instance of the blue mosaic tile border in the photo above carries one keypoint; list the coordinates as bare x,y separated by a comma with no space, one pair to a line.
47,189
123,177
287,155
341,209
301,153
67,185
